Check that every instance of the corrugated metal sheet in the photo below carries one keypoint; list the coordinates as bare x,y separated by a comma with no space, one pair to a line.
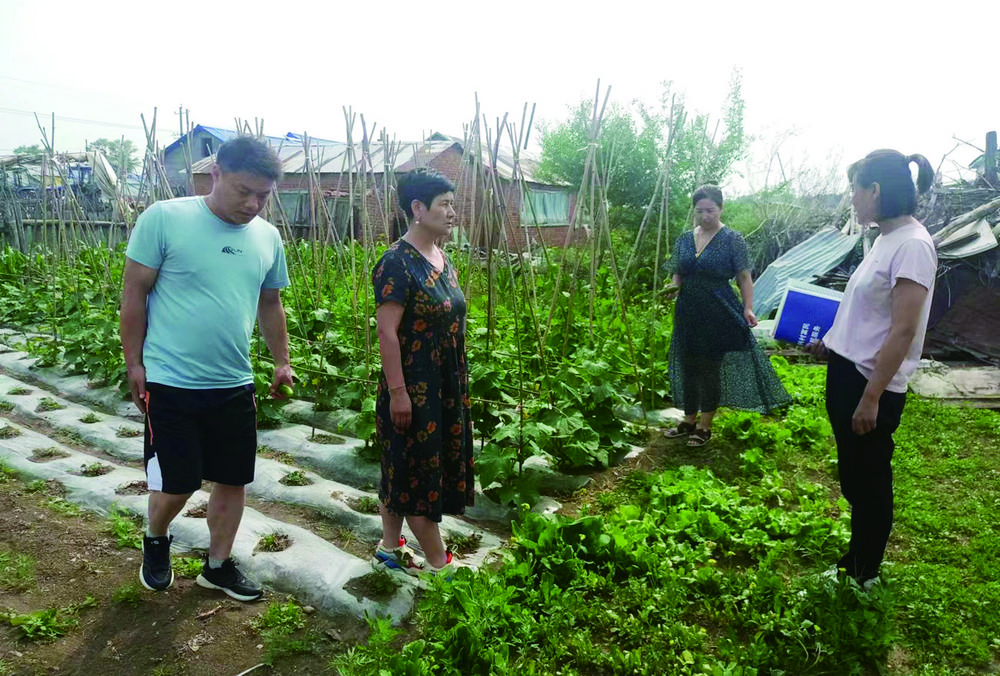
332,157
803,262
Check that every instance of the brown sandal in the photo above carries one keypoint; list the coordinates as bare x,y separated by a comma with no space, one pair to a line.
683,429
699,437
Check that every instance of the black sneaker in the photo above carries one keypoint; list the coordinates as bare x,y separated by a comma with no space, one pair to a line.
229,579
155,573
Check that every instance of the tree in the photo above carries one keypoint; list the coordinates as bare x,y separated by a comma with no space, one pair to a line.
122,154
626,152
638,143
34,150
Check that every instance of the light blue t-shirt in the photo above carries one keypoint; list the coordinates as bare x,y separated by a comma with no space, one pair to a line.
201,311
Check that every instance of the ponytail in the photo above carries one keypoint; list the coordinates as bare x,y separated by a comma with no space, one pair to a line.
925,173
891,170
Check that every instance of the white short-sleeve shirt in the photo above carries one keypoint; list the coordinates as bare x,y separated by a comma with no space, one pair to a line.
865,313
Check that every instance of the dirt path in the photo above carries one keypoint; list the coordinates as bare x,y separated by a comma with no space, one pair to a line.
185,631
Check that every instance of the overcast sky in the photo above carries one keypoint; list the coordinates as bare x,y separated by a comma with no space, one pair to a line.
830,80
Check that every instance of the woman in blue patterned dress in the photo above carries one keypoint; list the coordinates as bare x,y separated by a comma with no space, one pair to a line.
714,358
423,426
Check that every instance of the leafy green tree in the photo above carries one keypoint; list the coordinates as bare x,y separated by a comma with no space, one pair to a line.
122,154
33,150
638,143
626,153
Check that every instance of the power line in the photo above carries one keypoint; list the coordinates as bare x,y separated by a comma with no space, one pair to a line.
65,118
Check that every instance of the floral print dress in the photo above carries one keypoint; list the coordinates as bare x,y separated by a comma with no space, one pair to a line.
427,470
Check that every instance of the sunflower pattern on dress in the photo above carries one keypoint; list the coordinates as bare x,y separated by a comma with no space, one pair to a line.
428,469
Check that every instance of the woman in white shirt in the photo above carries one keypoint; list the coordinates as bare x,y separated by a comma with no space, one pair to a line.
874,346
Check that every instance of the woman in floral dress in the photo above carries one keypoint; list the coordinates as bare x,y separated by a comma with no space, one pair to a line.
423,427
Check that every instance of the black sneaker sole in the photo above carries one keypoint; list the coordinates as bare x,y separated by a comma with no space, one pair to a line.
142,580
202,581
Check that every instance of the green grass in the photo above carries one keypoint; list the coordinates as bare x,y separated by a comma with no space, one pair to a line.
90,418
9,432
188,567
945,545
17,570
281,627
18,391
6,406
129,594
62,506
125,527
51,623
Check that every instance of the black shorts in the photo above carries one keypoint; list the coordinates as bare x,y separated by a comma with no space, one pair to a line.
193,435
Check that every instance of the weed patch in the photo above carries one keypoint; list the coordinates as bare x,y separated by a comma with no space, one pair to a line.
90,418
280,627
125,527
17,570
62,506
364,505
48,454
129,594
48,404
463,544
9,432
377,585
283,457
188,567
18,391
273,542
51,623
95,469
296,478
326,439
128,432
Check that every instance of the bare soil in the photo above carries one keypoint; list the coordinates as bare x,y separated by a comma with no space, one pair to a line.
184,631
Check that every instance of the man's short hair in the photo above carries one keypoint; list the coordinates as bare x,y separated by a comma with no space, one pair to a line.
247,154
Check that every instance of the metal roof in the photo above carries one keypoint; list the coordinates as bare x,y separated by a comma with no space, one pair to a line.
803,262
335,157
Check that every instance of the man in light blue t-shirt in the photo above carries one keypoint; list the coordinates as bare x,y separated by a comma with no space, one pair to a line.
198,272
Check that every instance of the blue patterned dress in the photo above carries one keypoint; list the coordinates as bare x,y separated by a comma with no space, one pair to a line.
714,358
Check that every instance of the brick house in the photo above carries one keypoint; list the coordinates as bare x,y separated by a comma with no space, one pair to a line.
491,204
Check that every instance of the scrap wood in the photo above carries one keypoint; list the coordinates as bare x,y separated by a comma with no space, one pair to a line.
209,613
966,218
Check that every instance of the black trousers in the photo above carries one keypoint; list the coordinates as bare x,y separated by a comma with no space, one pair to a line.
702,383
865,465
